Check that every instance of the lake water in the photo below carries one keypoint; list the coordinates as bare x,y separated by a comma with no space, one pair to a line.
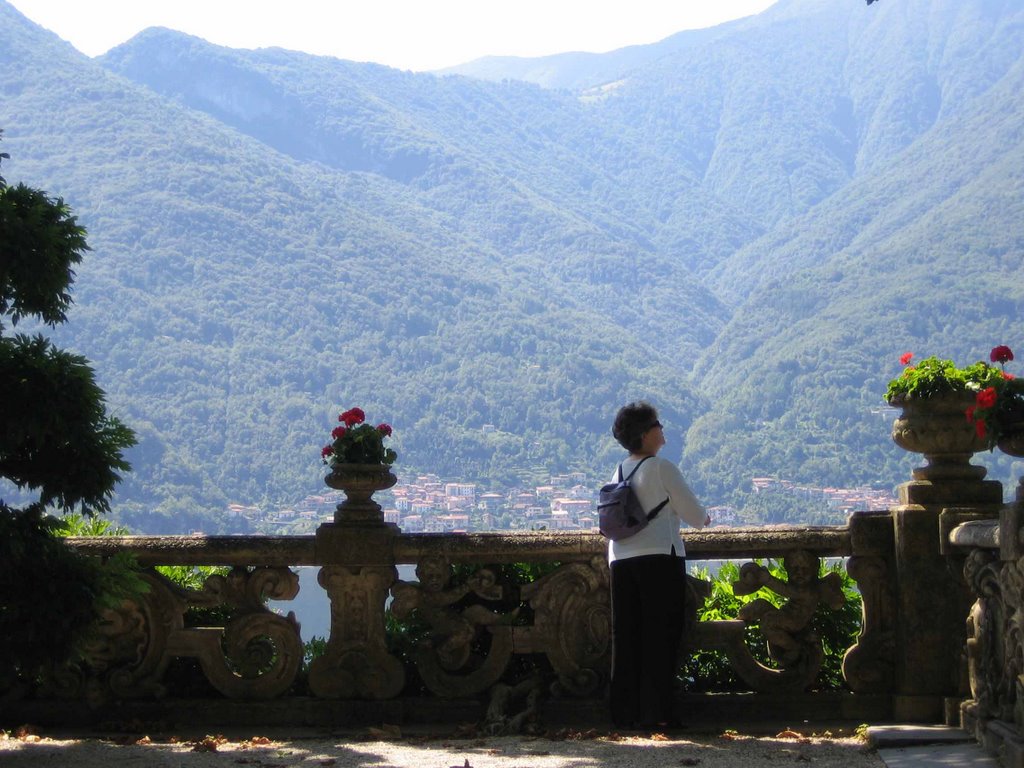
312,607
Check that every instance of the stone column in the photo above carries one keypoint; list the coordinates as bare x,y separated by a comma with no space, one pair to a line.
869,664
356,553
932,599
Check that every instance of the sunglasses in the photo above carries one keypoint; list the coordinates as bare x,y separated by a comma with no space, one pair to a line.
656,424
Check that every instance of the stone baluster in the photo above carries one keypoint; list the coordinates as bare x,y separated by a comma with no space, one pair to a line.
358,568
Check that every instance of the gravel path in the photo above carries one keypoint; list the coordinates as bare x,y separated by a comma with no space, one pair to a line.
389,748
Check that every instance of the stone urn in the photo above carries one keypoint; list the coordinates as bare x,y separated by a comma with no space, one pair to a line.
360,482
1011,441
937,427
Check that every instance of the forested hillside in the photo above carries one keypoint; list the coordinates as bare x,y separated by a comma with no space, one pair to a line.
746,225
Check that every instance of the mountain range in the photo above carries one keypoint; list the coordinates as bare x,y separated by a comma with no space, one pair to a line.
746,225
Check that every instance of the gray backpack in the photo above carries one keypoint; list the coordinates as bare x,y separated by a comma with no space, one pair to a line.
618,510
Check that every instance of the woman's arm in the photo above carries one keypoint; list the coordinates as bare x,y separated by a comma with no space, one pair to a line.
681,497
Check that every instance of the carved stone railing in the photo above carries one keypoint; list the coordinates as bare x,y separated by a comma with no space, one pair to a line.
472,627
469,624
993,556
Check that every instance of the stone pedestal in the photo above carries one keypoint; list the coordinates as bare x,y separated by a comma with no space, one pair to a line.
357,553
932,599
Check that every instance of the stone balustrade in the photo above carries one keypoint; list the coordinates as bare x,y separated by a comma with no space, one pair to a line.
465,625
471,627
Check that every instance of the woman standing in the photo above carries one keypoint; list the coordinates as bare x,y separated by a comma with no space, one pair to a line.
648,578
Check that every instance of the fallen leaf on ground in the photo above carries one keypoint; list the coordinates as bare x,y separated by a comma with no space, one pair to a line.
386,731
569,734
787,734
209,743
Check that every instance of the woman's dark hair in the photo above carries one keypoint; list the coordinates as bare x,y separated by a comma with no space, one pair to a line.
631,422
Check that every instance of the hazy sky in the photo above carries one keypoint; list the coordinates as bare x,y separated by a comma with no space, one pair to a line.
407,34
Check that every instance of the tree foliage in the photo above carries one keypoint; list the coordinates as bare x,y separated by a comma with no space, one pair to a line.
56,441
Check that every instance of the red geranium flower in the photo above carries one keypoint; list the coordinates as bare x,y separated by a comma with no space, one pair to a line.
906,357
1008,376
352,416
987,397
979,428
1001,354
357,442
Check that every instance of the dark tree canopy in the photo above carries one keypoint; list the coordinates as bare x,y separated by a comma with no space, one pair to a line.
41,240
55,440
55,435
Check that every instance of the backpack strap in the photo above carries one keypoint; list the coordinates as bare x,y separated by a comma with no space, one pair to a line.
654,512
645,458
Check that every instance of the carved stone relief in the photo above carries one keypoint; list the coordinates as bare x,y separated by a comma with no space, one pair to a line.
357,664
869,664
792,644
572,620
448,660
256,655
995,642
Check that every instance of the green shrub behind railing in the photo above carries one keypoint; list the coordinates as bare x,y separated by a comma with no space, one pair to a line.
709,670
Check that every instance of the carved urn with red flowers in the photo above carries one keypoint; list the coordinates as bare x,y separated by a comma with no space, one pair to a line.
950,413
360,465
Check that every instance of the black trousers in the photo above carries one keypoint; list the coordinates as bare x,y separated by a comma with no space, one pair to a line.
648,598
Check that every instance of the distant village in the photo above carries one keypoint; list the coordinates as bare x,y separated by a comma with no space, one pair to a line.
567,502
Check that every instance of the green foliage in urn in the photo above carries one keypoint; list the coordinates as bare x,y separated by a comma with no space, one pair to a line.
356,442
933,377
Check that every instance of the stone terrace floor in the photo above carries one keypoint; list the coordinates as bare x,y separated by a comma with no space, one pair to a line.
389,746
836,746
